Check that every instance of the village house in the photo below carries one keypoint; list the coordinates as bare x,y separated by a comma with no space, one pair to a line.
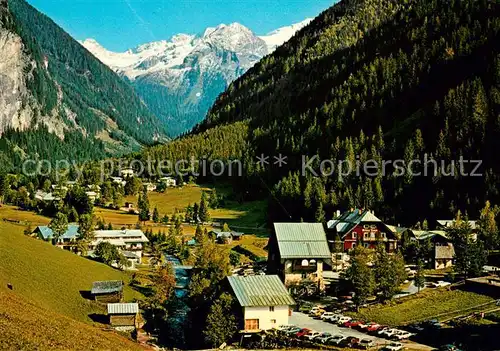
298,253
92,195
149,187
264,301
361,227
442,252
169,181
118,180
127,172
45,196
225,237
65,241
443,224
107,291
131,240
123,316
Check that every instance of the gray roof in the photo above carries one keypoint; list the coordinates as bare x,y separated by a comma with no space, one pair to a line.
449,222
107,286
302,240
123,308
260,290
444,252
70,233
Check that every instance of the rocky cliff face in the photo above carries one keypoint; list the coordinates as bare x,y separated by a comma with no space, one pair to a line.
14,111
52,88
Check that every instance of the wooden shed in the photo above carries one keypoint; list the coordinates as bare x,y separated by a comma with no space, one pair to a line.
123,315
107,291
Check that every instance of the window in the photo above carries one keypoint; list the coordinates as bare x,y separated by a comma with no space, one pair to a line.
273,321
251,324
354,235
271,308
366,235
366,226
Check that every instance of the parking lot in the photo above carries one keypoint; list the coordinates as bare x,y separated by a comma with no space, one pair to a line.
304,321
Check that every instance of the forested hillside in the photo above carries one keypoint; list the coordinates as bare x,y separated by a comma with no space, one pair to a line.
62,92
382,80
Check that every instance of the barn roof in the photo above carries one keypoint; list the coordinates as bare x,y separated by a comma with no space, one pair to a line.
260,290
47,233
107,286
123,308
301,240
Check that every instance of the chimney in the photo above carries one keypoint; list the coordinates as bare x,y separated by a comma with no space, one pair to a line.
338,213
360,211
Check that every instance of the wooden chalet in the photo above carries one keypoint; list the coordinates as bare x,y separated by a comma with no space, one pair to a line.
361,227
123,315
107,291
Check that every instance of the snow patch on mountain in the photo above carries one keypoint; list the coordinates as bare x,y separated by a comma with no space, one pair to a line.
281,35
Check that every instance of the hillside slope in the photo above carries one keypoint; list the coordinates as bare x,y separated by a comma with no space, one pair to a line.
52,278
46,309
382,80
26,326
53,89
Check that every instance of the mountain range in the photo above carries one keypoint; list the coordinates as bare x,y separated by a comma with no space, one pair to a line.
179,79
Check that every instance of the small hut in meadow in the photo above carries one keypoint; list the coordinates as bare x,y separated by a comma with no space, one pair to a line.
123,316
107,291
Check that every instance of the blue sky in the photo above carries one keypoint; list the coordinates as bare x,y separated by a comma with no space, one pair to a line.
122,24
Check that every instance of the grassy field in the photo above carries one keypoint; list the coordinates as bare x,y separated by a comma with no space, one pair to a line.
250,214
50,277
425,305
26,326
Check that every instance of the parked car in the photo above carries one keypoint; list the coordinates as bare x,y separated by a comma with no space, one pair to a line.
402,335
350,341
323,338
312,334
284,327
342,320
327,315
394,346
336,339
388,333
293,331
366,344
303,332
335,318
353,323
415,327
363,326
374,328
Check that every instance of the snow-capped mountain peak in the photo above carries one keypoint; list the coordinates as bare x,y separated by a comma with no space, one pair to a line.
182,76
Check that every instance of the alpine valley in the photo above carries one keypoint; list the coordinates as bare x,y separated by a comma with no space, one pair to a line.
180,79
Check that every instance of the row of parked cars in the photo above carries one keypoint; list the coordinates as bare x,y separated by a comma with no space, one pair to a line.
325,338
368,327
